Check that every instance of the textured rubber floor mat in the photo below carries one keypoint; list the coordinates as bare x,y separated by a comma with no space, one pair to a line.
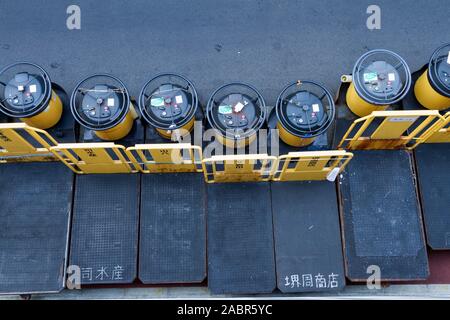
35,205
433,161
381,217
308,248
105,228
240,239
172,245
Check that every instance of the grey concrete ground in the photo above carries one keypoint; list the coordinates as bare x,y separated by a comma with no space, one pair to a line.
266,43
351,292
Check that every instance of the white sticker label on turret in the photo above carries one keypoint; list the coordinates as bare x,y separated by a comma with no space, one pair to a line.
238,107
448,59
179,99
33,88
403,119
110,102
315,107
391,76
332,175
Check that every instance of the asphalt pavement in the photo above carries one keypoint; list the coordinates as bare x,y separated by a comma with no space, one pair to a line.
265,43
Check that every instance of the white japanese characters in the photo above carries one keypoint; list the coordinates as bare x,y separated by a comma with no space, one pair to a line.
102,273
318,281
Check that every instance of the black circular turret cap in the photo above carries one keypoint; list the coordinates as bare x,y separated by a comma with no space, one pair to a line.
236,110
439,70
381,77
168,101
100,102
305,109
26,90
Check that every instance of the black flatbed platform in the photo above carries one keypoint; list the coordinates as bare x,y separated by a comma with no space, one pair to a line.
432,163
172,244
104,237
380,217
308,247
35,208
240,238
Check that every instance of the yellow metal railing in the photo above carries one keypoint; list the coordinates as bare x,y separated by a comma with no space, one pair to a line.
380,130
311,165
440,132
104,157
390,130
170,157
22,143
239,168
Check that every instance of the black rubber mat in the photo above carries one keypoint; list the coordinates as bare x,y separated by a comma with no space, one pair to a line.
172,244
308,248
34,218
105,228
380,217
432,162
240,239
